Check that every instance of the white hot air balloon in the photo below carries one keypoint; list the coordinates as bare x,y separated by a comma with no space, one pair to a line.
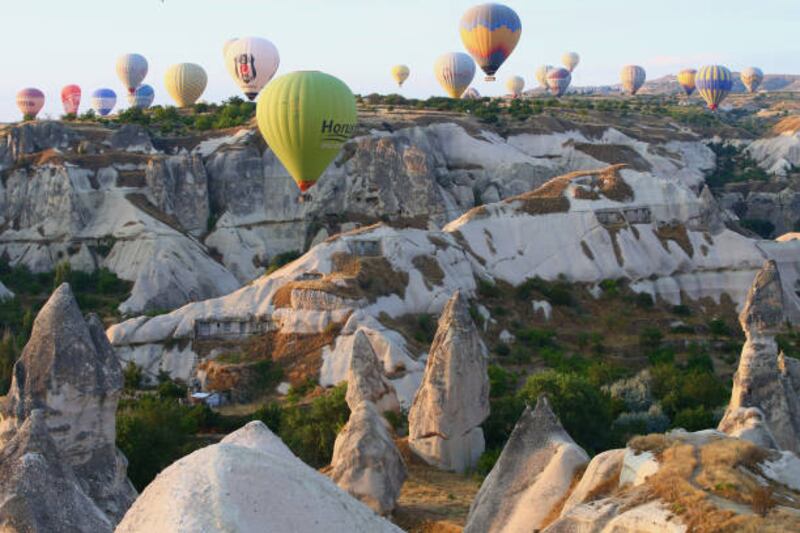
252,62
541,75
132,70
454,71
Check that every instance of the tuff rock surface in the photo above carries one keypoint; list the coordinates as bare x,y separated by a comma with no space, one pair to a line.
249,483
68,370
366,462
531,477
453,400
38,489
766,379
366,381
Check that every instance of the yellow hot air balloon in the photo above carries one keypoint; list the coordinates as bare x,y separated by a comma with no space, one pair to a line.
306,117
400,74
515,84
185,83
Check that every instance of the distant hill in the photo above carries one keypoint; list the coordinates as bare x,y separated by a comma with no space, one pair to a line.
669,85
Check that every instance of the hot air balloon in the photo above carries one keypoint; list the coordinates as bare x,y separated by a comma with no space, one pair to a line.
686,80
558,80
570,60
71,99
306,117
752,78
185,83
633,77
455,72
400,74
131,69
227,44
471,94
30,101
103,101
142,98
714,82
541,74
490,32
252,62
515,84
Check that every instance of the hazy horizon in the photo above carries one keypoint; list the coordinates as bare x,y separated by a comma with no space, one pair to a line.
53,43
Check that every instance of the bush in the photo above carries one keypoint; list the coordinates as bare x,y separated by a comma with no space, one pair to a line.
763,228
695,418
501,381
487,461
310,430
503,416
583,408
132,376
153,433
282,259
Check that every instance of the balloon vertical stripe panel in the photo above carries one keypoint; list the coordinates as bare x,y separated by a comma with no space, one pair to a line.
490,32
633,78
142,98
714,82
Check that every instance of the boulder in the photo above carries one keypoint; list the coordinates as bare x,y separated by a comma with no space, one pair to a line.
38,489
765,379
69,371
749,423
531,478
366,462
453,400
600,478
366,381
249,483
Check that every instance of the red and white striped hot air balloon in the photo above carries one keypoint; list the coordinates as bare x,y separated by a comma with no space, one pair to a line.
30,101
71,99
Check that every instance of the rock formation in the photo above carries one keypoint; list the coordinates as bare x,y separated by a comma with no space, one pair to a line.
69,371
366,381
366,462
749,423
38,489
249,483
530,479
601,477
766,379
453,400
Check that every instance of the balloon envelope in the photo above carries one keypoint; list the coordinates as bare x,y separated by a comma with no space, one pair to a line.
558,80
714,82
185,83
103,101
686,79
515,84
752,78
471,94
252,63
306,117
632,77
400,74
490,32
455,72
142,98
131,69
30,101
541,74
71,99
570,60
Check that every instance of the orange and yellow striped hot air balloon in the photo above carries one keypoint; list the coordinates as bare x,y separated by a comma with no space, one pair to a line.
490,32
686,80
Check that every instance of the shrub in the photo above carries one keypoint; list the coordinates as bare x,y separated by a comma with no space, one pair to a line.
501,381
487,461
310,430
694,418
279,260
132,376
583,408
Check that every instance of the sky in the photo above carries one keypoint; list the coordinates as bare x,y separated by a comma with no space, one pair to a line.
51,43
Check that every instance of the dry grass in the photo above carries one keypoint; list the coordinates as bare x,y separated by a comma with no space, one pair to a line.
433,501
654,443
677,233
582,193
352,278
790,124
431,272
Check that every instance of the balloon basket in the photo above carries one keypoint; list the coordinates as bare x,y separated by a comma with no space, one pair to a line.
303,198
490,78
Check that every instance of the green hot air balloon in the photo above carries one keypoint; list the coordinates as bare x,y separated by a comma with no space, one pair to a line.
306,117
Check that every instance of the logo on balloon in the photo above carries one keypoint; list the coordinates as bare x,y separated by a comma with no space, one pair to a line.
245,66
334,134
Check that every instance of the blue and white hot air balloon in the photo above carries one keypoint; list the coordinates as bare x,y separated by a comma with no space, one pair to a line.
103,101
142,98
